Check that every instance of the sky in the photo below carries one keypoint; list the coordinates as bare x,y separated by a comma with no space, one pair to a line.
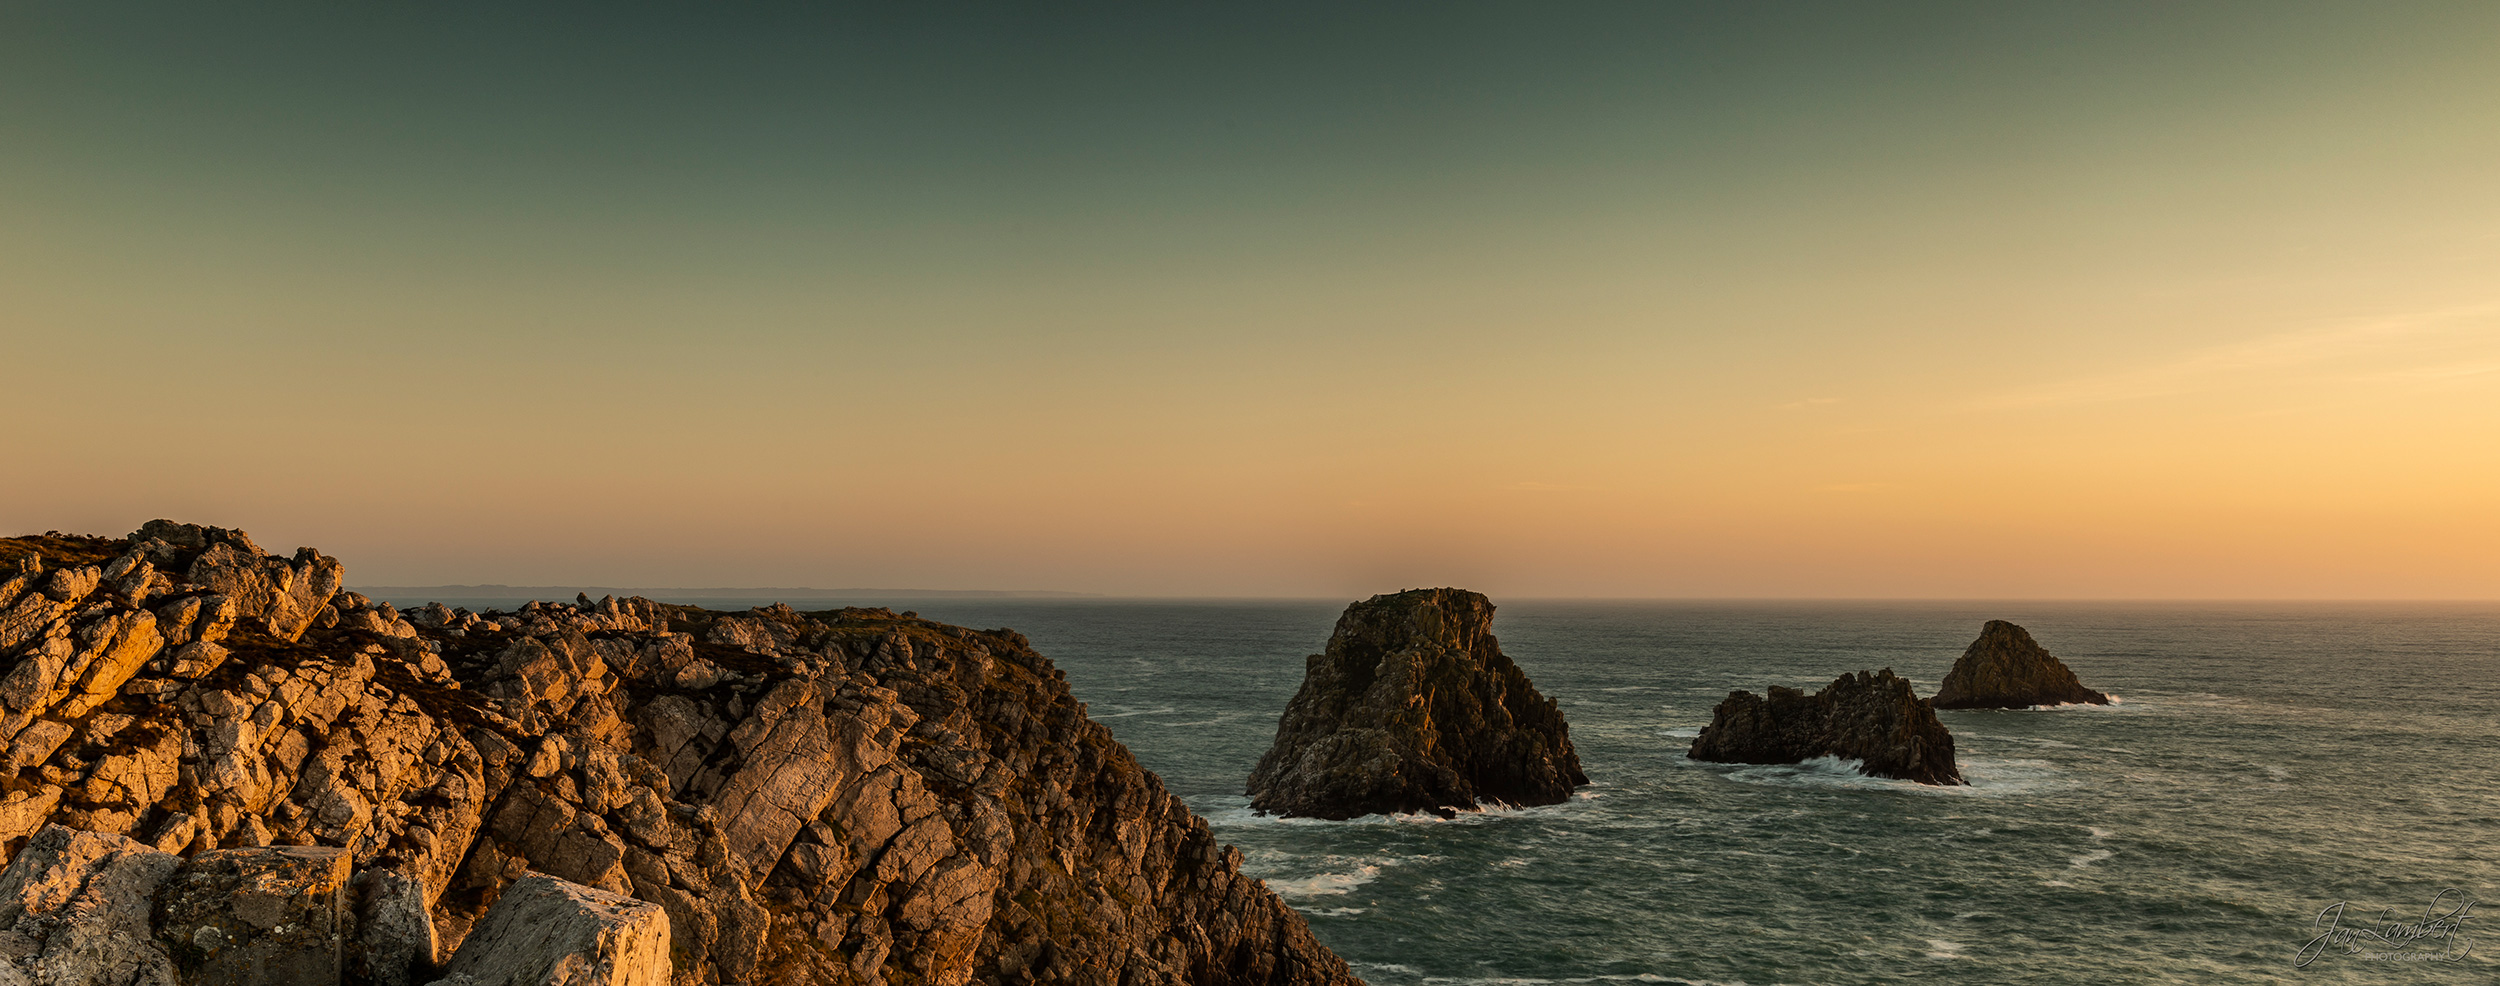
1869,300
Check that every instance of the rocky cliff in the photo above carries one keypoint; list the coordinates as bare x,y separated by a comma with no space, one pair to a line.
2006,669
1413,707
848,796
1873,718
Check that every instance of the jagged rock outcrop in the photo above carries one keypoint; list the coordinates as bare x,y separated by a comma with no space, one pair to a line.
848,796
1413,707
2006,669
1873,718
90,909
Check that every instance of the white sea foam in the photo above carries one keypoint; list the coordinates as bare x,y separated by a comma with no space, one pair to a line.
1681,732
1996,776
2097,831
1985,777
1942,949
1324,884
2087,859
1637,977
1217,721
2112,703
1234,810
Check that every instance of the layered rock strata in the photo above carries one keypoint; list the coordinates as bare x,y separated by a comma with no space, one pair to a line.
847,796
1871,717
2006,669
1414,707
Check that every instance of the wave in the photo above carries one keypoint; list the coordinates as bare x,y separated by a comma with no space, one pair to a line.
2115,704
1234,811
1322,884
1160,710
1987,777
1636,977
1967,736
1999,776
1220,719
2089,858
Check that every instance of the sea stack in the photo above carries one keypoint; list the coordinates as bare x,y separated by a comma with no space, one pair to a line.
1414,707
2006,669
1871,717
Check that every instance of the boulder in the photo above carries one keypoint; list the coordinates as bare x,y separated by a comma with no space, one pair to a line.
2006,669
545,932
1873,718
1414,707
395,935
74,908
275,915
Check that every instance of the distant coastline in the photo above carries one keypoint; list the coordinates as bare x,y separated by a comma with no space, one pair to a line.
462,594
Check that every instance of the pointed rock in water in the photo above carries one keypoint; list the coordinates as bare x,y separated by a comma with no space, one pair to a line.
2006,669
1873,718
1414,708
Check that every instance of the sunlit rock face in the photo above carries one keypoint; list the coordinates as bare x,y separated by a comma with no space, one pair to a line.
848,796
2006,669
1414,707
1871,717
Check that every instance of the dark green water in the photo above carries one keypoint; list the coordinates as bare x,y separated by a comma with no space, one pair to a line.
2265,763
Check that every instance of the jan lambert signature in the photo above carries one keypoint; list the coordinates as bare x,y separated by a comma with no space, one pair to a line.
2435,938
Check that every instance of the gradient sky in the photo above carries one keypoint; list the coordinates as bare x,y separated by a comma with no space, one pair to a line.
1731,299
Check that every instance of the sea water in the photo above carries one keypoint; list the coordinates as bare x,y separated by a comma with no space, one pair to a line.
2264,765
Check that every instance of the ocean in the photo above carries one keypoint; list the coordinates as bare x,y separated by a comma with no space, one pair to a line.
2284,793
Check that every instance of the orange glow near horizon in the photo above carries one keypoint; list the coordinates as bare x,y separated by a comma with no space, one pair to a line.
2132,319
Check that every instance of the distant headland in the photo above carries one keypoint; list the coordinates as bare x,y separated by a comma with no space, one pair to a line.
420,594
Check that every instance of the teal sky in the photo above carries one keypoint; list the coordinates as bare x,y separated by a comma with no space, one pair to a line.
1637,299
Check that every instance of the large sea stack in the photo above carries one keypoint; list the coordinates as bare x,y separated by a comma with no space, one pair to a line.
225,769
1414,707
2006,669
1871,717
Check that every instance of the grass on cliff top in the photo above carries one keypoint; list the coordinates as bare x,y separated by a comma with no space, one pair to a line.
60,550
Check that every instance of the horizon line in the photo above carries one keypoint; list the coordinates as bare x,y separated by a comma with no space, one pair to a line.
502,591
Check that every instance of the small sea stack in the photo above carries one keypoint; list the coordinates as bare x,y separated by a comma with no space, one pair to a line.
1871,717
1414,707
2006,669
